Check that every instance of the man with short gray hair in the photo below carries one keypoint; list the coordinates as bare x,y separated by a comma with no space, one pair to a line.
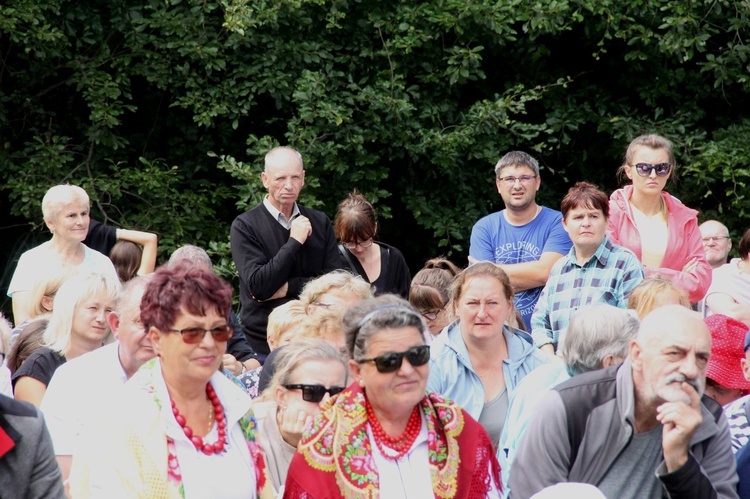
525,239
598,337
642,429
716,242
279,245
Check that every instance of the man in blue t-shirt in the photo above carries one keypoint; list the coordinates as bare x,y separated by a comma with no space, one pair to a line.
525,239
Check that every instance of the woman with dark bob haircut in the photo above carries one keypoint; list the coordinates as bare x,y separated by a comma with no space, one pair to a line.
182,429
356,226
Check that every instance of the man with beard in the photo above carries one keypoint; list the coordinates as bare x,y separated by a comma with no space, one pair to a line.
525,239
643,429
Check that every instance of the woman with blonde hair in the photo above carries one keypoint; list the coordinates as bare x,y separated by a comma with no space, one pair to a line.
655,291
337,289
78,325
308,373
66,214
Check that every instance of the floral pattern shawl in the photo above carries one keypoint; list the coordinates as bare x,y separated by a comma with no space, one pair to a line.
335,456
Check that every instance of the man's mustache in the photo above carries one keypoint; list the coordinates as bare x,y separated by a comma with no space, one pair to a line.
694,382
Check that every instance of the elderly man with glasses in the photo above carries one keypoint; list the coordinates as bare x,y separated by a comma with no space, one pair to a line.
525,239
716,242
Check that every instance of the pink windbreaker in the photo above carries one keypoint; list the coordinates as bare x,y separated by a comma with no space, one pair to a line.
683,244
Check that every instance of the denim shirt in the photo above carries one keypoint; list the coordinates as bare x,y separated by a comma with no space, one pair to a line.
452,375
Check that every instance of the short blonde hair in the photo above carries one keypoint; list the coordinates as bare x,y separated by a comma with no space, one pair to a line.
48,286
60,195
283,318
338,279
644,295
70,295
327,325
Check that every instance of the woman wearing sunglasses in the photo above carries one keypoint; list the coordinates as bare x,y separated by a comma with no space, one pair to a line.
182,428
308,373
657,227
384,436
479,360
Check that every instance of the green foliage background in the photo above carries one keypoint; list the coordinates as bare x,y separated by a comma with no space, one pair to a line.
163,109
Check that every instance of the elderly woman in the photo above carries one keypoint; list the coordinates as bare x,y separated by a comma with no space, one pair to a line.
78,325
308,373
337,289
66,214
383,436
430,291
356,226
658,228
480,360
183,429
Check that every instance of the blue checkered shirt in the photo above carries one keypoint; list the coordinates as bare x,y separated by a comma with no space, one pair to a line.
607,277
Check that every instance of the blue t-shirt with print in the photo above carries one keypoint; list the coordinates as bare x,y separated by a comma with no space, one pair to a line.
494,239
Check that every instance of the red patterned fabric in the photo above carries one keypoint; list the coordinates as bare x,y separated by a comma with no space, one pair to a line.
727,344
335,458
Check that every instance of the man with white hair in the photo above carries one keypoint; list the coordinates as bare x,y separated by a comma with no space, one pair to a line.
716,242
598,337
642,429
279,245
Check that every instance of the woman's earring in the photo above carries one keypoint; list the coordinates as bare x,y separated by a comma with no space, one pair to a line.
361,383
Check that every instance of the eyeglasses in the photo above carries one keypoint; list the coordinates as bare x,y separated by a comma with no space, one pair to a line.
714,239
391,362
512,180
315,393
431,315
362,244
644,169
192,335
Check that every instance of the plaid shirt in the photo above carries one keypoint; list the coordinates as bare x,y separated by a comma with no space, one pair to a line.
607,277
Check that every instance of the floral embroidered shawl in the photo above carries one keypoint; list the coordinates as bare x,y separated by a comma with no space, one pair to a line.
335,458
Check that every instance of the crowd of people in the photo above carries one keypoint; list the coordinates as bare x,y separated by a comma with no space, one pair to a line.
600,349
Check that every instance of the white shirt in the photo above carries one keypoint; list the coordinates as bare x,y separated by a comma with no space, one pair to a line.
409,476
280,217
78,391
37,262
232,474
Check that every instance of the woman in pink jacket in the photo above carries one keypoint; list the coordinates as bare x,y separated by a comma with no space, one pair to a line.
657,227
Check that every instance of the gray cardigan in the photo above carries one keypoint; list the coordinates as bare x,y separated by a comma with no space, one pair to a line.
28,468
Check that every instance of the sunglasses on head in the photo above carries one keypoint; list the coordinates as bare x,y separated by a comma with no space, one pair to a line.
391,362
315,393
644,169
192,335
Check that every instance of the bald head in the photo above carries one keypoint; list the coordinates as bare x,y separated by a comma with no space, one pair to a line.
283,156
673,346
716,242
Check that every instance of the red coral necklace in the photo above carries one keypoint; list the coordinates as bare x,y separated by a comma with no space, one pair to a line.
400,444
218,411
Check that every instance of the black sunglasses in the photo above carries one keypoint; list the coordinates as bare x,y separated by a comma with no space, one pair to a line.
192,335
391,362
315,393
644,169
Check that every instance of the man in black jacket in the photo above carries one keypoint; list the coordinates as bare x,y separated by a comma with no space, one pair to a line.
279,245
